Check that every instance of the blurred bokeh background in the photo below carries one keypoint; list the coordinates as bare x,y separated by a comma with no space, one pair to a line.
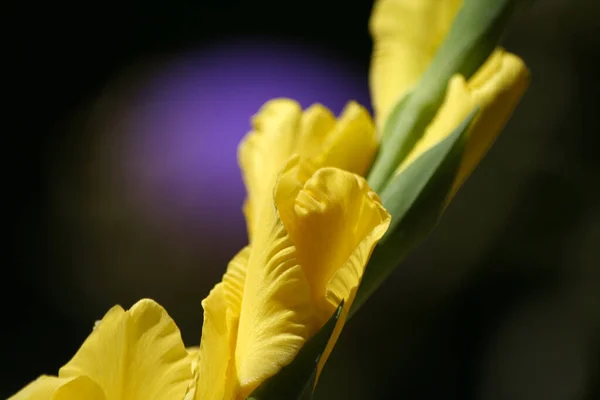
123,183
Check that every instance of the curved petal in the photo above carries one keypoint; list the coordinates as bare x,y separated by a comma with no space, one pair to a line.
496,88
54,388
215,375
317,121
235,279
134,354
351,145
81,387
335,221
265,150
277,313
281,129
193,356
214,372
330,219
406,35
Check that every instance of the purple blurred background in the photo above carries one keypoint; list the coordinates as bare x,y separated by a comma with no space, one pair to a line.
185,121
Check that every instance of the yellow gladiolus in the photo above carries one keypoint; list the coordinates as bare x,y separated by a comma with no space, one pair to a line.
313,226
496,89
406,36
131,355
313,222
435,75
281,128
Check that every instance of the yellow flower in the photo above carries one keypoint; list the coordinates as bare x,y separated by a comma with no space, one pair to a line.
496,88
312,226
131,355
281,128
407,35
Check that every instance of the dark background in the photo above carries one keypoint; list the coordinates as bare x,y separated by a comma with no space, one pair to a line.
501,302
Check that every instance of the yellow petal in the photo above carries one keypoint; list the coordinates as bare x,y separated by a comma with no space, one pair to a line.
40,389
81,387
54,388
193,356
496,88
406,35
265,150
317,121
351,145
281,129
235,279
330,220
215,375
334,221
277,313
134,354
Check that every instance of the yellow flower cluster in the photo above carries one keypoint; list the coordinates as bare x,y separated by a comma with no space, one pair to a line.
313,222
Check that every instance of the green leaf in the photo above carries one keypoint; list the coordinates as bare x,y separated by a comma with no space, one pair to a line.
415,199
399,196
388,127
296,381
